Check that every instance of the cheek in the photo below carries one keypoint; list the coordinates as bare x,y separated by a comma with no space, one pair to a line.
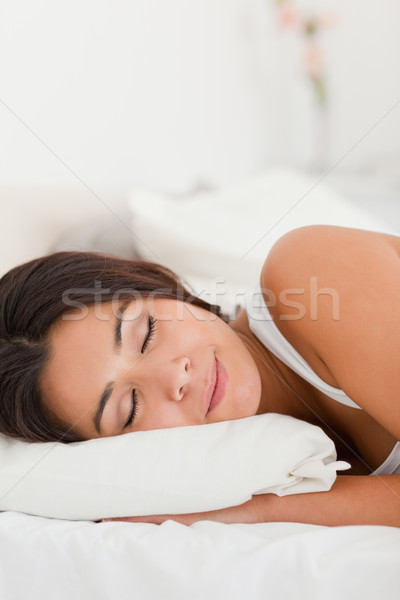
161,417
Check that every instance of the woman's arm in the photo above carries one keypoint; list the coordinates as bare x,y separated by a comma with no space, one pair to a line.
352,500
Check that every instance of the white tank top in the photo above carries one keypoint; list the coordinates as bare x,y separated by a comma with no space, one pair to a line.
262,325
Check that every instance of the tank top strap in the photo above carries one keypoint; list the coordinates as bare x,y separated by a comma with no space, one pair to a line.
262,325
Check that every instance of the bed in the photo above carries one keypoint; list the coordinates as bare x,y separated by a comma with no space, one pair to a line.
46,558
50,557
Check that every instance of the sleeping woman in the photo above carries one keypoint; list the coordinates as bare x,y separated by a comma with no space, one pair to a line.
92,345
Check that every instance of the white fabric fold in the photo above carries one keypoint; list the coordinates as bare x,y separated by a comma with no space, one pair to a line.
218,240
167,471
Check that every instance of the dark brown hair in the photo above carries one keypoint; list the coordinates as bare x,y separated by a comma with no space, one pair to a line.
32,300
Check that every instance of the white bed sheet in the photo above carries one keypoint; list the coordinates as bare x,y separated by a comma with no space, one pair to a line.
48,558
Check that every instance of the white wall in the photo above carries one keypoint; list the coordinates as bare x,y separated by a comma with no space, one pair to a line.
168,93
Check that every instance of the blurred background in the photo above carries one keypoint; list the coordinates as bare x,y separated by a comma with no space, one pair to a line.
105,106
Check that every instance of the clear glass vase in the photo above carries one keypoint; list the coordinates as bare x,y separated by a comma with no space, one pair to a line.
321,142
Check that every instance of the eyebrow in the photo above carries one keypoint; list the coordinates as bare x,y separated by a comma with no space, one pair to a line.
118,325
110,385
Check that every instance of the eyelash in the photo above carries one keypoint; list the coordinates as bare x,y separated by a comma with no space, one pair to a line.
152,328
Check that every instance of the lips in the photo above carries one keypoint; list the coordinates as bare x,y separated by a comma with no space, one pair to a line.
220,386
211,386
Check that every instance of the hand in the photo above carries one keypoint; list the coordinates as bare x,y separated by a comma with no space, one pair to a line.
244,513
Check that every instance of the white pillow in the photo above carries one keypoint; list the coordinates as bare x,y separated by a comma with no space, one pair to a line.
167,471
218,240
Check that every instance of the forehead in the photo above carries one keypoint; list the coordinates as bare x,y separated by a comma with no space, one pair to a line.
88,332
79,343
158,307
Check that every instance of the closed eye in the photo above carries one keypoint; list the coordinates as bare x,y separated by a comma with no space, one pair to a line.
134,409
150,334
149,337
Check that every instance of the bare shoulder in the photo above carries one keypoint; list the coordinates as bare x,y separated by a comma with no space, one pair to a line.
334,292
322,242
333,254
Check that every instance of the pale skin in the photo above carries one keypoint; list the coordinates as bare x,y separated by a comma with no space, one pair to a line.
358,352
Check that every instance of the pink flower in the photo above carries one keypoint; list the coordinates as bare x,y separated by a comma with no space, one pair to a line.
288,17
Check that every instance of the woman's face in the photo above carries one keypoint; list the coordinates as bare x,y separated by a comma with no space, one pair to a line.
106,363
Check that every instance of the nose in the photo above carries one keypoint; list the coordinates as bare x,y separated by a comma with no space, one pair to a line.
169,378
173,377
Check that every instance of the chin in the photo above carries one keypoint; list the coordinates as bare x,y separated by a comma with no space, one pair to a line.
249,395
246,404
251,408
